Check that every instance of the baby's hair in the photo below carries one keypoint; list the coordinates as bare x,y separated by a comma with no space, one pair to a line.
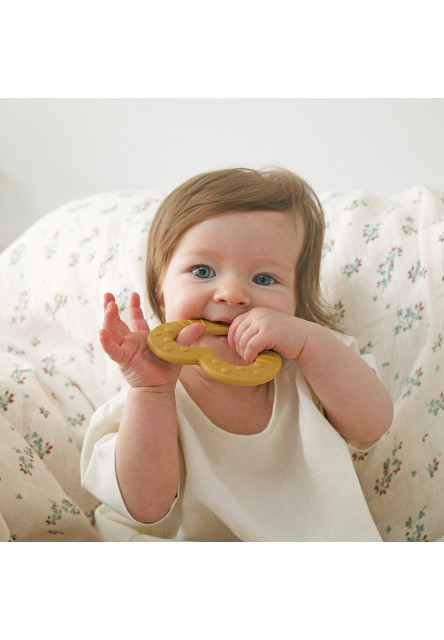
236,190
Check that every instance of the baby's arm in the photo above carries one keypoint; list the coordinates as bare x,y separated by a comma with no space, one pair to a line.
147,459
355,400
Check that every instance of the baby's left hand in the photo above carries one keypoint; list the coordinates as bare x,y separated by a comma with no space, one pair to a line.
262,328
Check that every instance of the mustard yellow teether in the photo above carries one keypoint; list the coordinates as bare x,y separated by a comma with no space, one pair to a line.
161,341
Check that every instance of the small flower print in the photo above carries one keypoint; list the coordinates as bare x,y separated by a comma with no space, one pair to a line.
6,400
417,272
407,317
17,374
59,301
89,349
77,421
408,228
368,348
15,350
437,343
74,259
359,456
338,311
26,460
415,531
20,307
414,381
370,232
433,467
112,251
50,368
57,511
389,468
360,202
436,405
327,247
40,447
16,254
386,268
88,239
142,206
352,268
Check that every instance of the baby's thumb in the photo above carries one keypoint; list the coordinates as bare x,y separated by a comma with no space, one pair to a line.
188,335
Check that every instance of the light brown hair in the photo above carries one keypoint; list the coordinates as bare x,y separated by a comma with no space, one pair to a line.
236,190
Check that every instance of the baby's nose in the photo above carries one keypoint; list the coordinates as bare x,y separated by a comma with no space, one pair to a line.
232,292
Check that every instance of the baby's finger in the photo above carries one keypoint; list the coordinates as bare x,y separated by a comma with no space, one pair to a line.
252,348
188,335
137,320
107,298
113,323
237,328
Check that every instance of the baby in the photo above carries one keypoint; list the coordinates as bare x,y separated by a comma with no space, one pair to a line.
181,456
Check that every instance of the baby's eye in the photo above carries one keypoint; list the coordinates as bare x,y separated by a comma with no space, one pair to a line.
264,279
203,271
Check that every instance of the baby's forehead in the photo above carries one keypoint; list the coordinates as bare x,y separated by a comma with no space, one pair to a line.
266,233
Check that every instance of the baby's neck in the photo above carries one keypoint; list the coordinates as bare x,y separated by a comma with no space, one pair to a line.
242,410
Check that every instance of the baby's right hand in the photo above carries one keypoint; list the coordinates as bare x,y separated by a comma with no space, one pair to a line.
127,346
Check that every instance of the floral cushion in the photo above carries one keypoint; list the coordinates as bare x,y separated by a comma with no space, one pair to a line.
382,272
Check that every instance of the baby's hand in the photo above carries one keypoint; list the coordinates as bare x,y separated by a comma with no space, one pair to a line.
127,346
262,328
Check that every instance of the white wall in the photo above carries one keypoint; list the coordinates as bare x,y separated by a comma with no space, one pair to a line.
52,151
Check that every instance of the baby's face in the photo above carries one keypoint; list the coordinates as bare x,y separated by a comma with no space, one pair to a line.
229,264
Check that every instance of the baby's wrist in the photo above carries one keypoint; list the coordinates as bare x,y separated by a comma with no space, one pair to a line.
147,391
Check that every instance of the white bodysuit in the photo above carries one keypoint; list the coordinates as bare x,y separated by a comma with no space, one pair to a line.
294,481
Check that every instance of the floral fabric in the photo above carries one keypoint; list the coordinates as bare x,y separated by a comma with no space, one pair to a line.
382,271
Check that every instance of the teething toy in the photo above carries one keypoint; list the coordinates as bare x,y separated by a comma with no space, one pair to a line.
161,341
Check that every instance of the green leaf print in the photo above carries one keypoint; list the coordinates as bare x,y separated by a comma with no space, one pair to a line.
408,317
6,400
41,448
386,268
436,405
350,269
390,467
415,531
370,233
417,272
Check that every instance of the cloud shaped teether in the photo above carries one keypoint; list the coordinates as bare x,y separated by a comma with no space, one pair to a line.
161,341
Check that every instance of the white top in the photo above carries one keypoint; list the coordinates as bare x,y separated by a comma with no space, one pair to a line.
294,481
